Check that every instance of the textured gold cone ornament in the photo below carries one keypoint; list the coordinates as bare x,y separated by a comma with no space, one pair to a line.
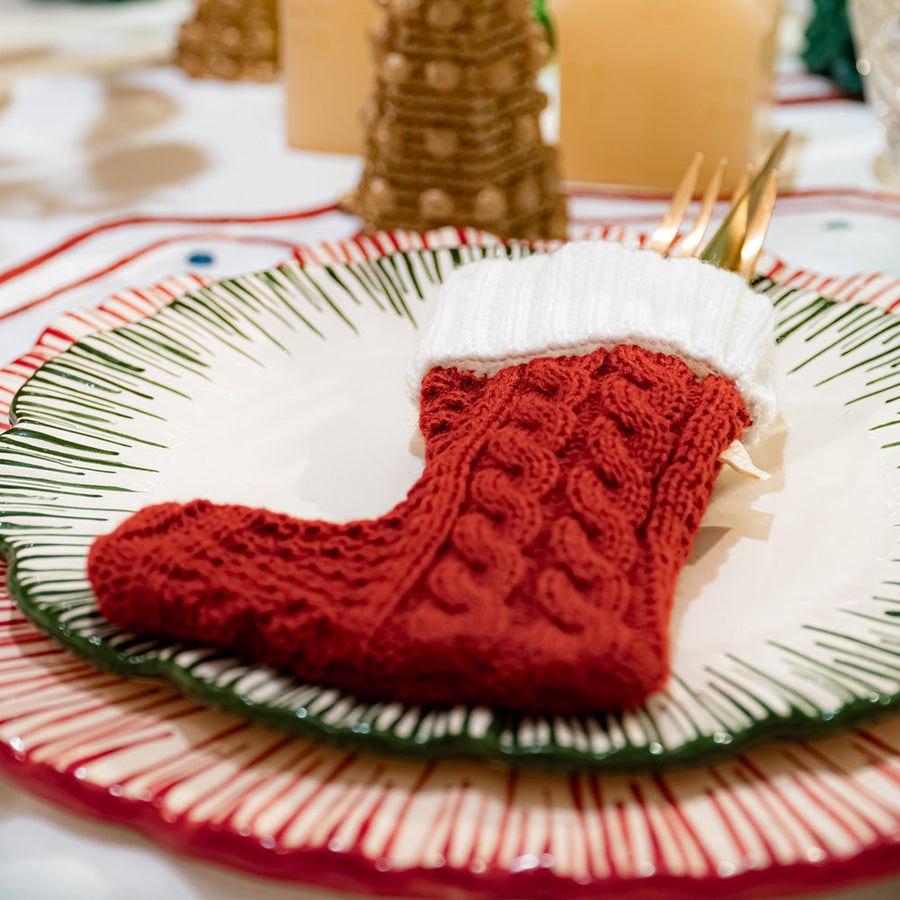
230,39
453,125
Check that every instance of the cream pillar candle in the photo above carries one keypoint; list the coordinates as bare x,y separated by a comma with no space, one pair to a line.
644,84
326,57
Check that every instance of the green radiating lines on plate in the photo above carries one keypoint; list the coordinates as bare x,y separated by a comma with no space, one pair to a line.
79,413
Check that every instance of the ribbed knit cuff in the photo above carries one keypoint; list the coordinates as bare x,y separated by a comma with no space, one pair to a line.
496,313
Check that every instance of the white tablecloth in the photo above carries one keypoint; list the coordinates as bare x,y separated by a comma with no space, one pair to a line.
116,170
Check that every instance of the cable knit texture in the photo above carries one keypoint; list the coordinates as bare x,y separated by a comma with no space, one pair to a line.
532,566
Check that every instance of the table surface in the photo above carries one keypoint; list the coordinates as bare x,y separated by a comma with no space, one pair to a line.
116,170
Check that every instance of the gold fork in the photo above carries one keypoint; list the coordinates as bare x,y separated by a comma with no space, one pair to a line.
735,246
738,242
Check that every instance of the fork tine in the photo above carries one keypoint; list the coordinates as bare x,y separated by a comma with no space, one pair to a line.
738,216
690,246
662,239
759,225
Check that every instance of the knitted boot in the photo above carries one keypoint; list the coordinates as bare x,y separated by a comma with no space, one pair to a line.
533,565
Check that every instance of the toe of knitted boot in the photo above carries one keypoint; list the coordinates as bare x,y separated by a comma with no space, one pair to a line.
127,568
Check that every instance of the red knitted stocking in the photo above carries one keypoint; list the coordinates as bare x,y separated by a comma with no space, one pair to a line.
532,566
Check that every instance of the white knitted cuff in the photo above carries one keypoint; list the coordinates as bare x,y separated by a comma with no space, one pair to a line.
589,294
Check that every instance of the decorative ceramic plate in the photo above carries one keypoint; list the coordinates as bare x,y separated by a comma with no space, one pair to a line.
779,819
286,389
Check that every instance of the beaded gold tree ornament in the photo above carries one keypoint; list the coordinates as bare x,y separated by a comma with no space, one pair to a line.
453,126
230,39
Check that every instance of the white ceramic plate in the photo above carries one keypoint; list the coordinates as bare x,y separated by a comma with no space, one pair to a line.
259,390
782,818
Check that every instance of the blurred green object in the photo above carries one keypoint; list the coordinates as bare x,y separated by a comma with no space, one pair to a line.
829,46
543,16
